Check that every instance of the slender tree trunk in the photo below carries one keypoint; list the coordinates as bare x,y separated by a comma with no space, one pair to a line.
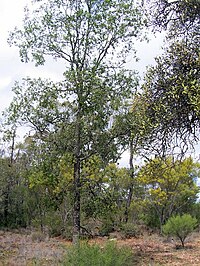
182,241
9,181
130,193
77,185
76,210
6,206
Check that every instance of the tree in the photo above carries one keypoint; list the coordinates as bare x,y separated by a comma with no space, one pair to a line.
93,38
171,87
180,18
16,205
170,185
180,226
172,90
133,129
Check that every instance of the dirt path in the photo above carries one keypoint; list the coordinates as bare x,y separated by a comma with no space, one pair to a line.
23,249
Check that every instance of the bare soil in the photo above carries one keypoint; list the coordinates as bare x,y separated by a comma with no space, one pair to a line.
19,248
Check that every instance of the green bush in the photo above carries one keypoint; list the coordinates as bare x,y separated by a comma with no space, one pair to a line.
130,230
106,228
150,218
180,226
94,255
54,223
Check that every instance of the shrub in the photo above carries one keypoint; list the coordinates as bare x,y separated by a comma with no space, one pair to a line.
53,221
94,255
68,232
180,226
130,230
106,228
38,236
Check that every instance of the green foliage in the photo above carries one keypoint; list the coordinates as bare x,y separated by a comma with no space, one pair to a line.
195,211
17,202
109,255
171,91
73,140
96,26
171,87
149,216
53,222
170,185
181,18
180,226
106,228
73,116
130,230
103,193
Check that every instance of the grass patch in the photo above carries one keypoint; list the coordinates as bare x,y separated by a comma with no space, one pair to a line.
109,255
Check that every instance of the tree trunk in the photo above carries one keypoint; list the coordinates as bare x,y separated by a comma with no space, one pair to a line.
9,180
6,206
182,241
77,185
76,210
130,193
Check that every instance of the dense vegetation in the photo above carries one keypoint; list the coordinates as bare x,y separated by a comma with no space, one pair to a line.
64,175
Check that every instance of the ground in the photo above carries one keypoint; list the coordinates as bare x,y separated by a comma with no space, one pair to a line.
20,248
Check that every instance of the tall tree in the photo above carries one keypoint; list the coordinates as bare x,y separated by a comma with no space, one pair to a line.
94,39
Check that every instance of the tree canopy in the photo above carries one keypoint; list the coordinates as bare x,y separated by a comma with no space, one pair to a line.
171,87
179,17
94,39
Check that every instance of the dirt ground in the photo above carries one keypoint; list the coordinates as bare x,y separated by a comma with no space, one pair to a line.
21,248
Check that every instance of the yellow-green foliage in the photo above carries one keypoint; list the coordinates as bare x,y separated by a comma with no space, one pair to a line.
169,183
117,175
65,166
91,168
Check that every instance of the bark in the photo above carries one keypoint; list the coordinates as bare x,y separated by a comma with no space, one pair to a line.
77,184
9,181
130,193
6,206
76,210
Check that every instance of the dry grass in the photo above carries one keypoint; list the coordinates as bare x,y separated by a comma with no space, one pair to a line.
23,248
20,249
156,251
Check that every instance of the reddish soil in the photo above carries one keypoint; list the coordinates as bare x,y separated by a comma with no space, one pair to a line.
22,248
156,251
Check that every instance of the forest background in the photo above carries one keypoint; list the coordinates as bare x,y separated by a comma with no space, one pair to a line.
64,174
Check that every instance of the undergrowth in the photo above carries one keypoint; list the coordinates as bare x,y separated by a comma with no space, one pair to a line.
95,255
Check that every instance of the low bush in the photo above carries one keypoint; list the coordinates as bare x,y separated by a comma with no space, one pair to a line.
38,236
106,228
130,230
94,255
180,226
